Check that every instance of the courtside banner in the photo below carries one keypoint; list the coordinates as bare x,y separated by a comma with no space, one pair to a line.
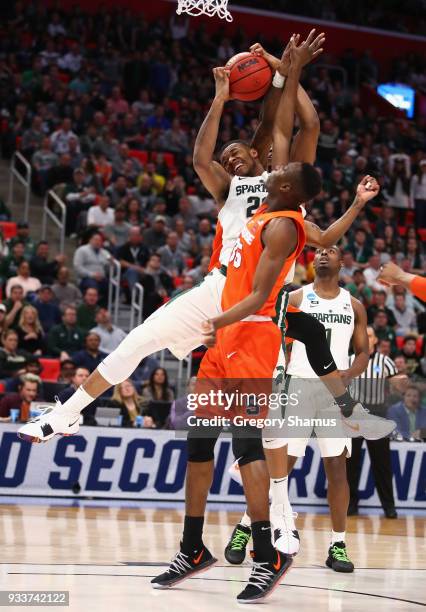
143,464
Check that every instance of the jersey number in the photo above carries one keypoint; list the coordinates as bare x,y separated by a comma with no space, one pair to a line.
254,205
235,257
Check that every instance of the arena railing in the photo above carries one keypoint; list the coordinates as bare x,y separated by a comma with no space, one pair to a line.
20,170
55,210
136,306
114,289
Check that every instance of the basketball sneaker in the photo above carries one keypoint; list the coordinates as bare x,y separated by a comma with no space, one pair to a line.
338,559
235,551
264,577
184,566
363,423
51,422
285,535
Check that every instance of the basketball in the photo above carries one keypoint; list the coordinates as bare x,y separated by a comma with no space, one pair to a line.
250,77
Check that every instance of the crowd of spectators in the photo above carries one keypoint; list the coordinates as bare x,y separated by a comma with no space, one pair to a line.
106,108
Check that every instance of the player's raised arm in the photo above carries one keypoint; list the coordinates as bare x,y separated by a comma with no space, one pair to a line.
359,344
213,176
391,274
367,189
277,233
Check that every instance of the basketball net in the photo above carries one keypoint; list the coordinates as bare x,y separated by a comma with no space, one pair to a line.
195,8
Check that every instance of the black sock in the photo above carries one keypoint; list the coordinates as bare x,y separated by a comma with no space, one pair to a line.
192,534
262,540
346,403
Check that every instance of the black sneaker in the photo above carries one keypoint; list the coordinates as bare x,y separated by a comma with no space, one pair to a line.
184,566
235,551
352,510
391,513
264,577
338,559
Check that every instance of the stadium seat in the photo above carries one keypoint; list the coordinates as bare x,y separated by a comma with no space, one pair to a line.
142,156
2,388
422,234
51,369
399,341
169,159
8,229
177,281
419,346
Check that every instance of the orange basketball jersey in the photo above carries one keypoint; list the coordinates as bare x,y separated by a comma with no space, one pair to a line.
216,248
245,257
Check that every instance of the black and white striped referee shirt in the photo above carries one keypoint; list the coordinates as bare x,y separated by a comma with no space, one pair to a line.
370,386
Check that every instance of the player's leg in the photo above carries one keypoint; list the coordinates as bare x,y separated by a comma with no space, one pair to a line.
338,501
176,326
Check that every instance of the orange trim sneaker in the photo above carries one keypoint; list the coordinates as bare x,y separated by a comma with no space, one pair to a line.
52,422
264,577
363,424
184,566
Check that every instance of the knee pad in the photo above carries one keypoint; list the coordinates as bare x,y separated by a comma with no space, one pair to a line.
274,443
248,449
200,449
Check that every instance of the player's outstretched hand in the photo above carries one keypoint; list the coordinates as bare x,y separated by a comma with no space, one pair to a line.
280,65
308,49
367,189
391,274
209,333
221,77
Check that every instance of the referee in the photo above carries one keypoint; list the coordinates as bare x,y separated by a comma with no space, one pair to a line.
369,389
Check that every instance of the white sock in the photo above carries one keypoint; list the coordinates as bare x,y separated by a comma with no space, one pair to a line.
338,536
78,401
246,520
279,494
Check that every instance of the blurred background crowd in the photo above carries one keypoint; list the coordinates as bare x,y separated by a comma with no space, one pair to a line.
106,108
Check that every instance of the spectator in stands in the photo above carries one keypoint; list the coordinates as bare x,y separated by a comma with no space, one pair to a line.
65,293
412,252
359,247
201,201
398,189
205,234
134,212
409,415
157,390
78,198
409,351
187,283
62,172
118,192
179,411
11,263
12,359
101,214
90,264
133,257
198,274
383,330
155,236
67,371
406,320
174,139
86,312
171,256
42,161
359,288
48,311
418,194
110,334
60,139
33,137
387,219
23,236
130,403
117,233
116,104
162,279
66,338
41,267
89,357
29,284
27,392
372,271
3,324
80,376
186,239
14,305
384,347
379,303
186,214
30,332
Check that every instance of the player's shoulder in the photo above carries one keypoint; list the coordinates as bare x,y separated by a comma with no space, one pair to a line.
358,307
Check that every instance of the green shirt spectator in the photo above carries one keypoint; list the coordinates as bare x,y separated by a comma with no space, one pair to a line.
14,305
86,312
23,235
359,288
66,338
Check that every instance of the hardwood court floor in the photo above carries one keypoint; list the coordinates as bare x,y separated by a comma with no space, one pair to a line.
106,556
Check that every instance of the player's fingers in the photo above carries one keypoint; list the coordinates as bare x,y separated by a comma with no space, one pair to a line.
311,36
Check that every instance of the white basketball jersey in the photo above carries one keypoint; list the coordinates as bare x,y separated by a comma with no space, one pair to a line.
338,318
246,194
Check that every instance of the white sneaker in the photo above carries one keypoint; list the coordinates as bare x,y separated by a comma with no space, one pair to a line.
285,535
363,423
52,422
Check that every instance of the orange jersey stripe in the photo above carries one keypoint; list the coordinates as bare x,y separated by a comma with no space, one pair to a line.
245,257
216,247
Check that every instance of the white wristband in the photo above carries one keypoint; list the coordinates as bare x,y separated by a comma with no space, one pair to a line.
278,80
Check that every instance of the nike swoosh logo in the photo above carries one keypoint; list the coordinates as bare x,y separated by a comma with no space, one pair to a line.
327,366
198,559
71,424
277,565
353,427
265,528
230,354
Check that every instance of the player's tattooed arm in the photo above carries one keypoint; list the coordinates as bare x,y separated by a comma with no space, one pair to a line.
359,344
367,189
278,232
213,176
